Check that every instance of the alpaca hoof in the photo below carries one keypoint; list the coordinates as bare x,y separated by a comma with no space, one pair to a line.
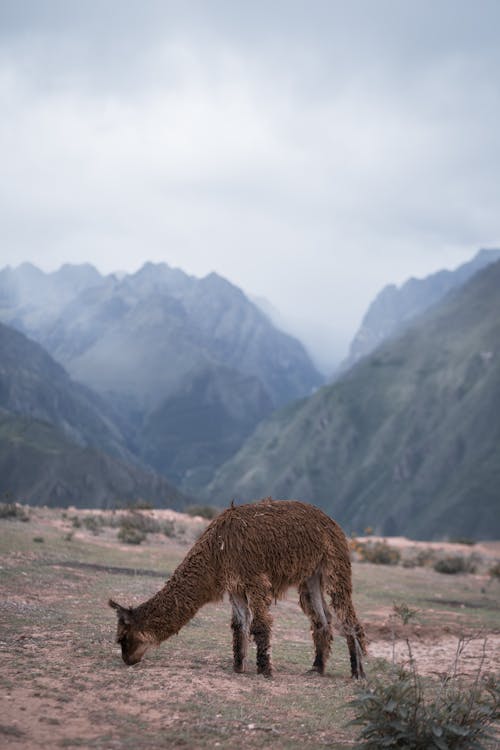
316,670
238,668
266,672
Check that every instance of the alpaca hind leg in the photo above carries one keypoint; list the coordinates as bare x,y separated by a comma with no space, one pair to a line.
353,631
313,604
240,624
260,600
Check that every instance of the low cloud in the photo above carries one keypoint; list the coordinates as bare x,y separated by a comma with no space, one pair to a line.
310,155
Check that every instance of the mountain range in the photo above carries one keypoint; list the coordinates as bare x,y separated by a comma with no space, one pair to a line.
187,366
60,444
407,441
394,307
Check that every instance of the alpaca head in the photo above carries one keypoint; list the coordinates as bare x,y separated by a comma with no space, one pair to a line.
132,640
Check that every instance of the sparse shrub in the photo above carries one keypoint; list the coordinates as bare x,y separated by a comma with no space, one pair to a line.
494,571
131,535
76,522
455,564
93,523
69,536
423,558
140,505
169,528
379,553
13,512
463,540
404,612
141,521
205,511
407,712
38,539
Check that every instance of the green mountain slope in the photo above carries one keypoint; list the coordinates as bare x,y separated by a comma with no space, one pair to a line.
40,466
34,385
407,442
394,307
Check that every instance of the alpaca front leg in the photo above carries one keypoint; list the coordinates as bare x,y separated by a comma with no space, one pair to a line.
240,624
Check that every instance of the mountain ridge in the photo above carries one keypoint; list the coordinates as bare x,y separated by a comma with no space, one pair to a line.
404,439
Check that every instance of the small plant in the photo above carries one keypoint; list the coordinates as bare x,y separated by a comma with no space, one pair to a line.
205,511
379,553
463,540
140,505
494,571
76,522
455,564
421,558
404,612
69,536
131,535
408,713
38,539
13,512
93,523
169,528
141,521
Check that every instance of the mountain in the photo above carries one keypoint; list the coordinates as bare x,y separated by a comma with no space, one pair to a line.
407,441
394,307
138,336
32,384
190,365
202,424
60,443
39,465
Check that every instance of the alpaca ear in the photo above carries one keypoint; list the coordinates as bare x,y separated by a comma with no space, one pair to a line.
124,614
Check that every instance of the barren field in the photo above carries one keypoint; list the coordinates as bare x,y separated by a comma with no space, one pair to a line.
63,683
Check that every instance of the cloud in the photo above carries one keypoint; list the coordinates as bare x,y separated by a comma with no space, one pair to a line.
309,153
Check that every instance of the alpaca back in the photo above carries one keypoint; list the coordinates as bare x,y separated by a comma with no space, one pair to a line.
286,541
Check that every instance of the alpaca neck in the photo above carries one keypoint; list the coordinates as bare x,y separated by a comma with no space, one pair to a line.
193,584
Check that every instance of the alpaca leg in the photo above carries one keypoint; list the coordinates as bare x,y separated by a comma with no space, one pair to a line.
240,624
260,601
315,607
353,631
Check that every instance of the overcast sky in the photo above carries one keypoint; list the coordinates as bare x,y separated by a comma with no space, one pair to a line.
311,152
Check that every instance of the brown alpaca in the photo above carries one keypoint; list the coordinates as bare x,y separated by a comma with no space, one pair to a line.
255,552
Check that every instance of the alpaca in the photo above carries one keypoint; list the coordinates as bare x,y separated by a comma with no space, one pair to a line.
255,552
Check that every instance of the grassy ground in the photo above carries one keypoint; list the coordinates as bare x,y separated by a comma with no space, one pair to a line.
63,684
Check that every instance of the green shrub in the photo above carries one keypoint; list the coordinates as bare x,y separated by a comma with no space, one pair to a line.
13,512
422,558
494,571
131,535
93,524
169,528
379,553
205,511
406,713
463,540
404,612
455,564
140,505
141,521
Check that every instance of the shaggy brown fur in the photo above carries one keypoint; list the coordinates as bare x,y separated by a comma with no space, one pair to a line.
255,553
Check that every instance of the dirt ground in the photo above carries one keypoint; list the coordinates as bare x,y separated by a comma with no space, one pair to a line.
63,683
